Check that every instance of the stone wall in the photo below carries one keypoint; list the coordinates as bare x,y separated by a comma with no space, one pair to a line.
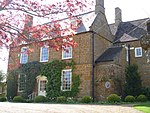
143,65
111,73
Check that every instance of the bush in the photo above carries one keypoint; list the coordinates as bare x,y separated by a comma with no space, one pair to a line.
86,99
61,99
3,99
39,99
146,92
129,98
18,99
113,98
141,98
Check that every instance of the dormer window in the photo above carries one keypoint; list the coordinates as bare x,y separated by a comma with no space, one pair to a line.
138,52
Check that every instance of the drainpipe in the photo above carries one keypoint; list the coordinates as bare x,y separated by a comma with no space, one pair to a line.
93,65
129,58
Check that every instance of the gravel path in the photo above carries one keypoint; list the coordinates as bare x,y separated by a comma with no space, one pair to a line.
7,107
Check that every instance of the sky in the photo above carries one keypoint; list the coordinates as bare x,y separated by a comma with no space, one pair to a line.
131,10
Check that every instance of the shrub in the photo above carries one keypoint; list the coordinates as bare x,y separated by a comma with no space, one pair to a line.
40,98
61,99
86,99
146,92
18,99
3,99
129,98
113,98
141,98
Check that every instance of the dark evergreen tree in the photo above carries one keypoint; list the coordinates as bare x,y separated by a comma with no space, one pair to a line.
133,85
12,85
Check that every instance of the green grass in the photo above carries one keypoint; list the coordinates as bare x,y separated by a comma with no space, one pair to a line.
145,107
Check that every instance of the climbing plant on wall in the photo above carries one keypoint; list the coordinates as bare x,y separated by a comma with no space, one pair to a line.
12,84
52,71
31,70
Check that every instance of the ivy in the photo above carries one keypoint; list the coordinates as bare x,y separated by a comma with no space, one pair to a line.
31,70
12,85
52,71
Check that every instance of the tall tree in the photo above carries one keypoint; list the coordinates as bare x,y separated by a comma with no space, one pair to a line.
133,84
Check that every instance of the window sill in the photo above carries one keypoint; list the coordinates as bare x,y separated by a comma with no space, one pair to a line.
44,61
67,58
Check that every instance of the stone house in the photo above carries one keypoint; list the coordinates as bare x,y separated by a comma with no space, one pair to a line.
101,55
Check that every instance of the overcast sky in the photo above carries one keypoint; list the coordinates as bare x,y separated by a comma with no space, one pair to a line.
131,10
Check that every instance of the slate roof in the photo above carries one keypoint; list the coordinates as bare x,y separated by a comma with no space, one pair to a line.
109,54
129,31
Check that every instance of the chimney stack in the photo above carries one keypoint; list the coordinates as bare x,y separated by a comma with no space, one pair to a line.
99,7
118,16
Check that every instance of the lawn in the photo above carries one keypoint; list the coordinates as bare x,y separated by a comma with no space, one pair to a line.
145,107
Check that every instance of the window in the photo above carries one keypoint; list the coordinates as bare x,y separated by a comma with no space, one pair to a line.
42,85
24,55
138,52
44,54
67,53
21,82
66,80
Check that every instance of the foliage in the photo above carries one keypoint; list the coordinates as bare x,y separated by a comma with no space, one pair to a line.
12,85
133,84
146,92
3,99
16,26
61,99
141,98
52,71
31,70
113,98
39,99
129,98
2,75
18,99
86,99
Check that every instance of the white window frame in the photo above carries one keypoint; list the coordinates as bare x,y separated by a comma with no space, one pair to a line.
66,52
42,85
21,56
136,54
62,85
21,83
69,53
42,54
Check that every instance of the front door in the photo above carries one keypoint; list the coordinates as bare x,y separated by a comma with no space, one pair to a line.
42,87
41,80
